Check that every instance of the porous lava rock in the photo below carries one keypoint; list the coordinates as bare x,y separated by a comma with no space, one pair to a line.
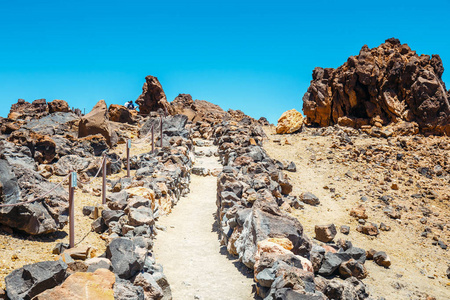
25,110
58,106
153,97
381,86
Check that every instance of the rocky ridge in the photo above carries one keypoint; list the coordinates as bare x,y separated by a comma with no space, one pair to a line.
381,86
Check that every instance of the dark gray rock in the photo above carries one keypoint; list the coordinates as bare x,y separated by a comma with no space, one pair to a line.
330,264
117,201
88,210
57,123
126,262
125,290
266,277
349,289
291,167
17,155
109,215
99,225
345,229
140,216
357,253
31,280
22,183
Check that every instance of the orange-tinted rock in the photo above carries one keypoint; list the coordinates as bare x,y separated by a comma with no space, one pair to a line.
58,106
83,286
290,121
25,110
119,113
359,212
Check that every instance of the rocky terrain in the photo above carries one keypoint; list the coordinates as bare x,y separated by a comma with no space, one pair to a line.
350,203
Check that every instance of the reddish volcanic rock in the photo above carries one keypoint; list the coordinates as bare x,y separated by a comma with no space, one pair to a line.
58,106
23,109
119,113
153,97
96,122
380,86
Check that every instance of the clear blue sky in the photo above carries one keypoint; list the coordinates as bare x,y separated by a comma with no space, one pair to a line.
256,56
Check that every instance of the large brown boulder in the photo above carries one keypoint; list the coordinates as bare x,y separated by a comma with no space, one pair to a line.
58,106
96,122
119,113
153,97
380,86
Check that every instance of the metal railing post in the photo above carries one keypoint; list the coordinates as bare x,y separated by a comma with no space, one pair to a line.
161,131
72,185
128,157
104,179
153,138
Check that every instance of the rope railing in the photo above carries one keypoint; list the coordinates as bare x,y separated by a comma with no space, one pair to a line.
72,176
98,172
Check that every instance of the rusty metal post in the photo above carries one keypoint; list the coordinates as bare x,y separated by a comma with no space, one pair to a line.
104,179
153,138
128,157
72,185
161,131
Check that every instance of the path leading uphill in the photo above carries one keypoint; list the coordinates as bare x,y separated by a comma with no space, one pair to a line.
189,249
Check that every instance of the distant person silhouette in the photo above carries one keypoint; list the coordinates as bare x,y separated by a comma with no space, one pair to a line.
129,104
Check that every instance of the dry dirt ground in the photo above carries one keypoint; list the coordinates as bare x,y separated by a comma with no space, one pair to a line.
418,268
18,249
189,248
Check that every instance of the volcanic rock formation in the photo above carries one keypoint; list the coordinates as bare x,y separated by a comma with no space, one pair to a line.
153,97
383,85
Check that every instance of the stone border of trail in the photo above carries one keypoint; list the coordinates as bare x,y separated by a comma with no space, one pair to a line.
253,198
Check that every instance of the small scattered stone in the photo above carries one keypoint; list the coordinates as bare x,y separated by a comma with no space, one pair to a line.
310,199
384,227
291,167
442,245
325,233
359,212
345,229
59,248
370,253
382,259
368,228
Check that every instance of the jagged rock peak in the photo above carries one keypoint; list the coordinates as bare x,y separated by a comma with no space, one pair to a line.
153,97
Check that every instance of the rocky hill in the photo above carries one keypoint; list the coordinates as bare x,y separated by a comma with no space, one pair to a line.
326,213
389,84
